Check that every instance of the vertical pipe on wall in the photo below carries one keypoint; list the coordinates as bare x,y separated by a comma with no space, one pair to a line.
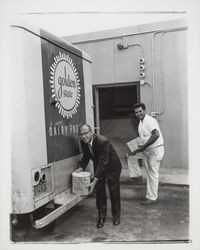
163,70
153,72
162,75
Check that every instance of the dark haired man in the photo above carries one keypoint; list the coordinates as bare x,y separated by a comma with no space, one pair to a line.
107,167
152,147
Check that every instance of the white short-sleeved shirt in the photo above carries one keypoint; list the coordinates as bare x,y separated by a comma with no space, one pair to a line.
145,128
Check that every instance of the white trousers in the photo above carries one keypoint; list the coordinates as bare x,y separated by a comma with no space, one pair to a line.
152,158
133,165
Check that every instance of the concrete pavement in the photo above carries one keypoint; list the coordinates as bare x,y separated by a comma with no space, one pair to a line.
166,221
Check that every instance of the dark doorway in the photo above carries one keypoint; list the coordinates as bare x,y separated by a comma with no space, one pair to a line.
117,102
114,113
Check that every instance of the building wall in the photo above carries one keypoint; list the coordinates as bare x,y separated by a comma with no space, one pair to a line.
164,47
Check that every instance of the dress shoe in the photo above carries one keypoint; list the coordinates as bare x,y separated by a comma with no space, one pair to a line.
100,222
116,222
148,202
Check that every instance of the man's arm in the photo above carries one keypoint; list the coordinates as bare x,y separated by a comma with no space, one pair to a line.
154,136
91,186
84,161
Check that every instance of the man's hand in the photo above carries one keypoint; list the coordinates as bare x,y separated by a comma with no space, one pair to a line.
78,170
139,149
91,186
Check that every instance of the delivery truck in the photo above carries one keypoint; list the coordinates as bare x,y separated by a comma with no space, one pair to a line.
51,97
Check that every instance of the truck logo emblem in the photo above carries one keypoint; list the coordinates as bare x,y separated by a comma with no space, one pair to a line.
65,85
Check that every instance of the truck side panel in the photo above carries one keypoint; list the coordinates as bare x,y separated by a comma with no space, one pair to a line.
50,83
62,123
28,124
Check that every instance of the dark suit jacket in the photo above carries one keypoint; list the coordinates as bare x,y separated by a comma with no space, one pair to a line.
105,159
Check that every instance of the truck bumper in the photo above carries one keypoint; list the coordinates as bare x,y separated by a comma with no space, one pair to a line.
65,201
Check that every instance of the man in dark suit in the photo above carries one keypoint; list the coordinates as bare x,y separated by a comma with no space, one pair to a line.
107,167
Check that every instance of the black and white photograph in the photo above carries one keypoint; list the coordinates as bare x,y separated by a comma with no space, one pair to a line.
100,124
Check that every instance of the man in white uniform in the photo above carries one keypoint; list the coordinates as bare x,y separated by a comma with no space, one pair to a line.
152,148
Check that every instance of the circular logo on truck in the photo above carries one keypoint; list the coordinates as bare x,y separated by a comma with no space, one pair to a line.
65,85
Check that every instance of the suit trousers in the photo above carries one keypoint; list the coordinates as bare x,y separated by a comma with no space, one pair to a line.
101,199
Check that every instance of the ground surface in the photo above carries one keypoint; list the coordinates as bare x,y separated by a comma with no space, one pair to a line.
168,220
